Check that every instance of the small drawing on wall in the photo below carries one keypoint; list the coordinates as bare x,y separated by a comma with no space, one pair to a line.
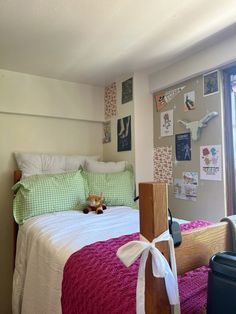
189,101
164,97
166,123
163,166
210,83
183,146
124,134
185,191
127,91
106,132
210,162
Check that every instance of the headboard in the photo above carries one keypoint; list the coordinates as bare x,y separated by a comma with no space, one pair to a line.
16,177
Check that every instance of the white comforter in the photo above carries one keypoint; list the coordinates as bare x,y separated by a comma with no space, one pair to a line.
45,243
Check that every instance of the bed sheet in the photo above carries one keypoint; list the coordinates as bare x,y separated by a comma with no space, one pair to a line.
45,243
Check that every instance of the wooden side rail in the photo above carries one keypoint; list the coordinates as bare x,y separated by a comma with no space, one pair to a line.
199,245
196,249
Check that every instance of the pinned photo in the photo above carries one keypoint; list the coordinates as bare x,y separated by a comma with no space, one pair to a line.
166,123
210,83
183,146
185,191
189,101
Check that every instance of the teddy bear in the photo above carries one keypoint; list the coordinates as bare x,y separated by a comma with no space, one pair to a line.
94,203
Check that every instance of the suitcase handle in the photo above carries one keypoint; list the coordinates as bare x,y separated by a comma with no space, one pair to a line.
225,258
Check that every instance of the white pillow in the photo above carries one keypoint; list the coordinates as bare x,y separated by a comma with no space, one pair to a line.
105,167
31,164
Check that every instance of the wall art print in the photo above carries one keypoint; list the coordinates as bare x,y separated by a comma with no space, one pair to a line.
189,101
166,123
190,177
163,167
210,83
185,191
127,91
183,146
110,101
124,134
106,132
164,97
210,162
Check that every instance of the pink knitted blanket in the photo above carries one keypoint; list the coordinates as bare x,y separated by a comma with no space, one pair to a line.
96,282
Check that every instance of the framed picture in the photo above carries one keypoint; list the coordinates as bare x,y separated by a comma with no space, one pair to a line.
127,91
124,134
106,132
189,101
183,146
210,83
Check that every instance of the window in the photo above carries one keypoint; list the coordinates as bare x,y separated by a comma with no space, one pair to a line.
230,137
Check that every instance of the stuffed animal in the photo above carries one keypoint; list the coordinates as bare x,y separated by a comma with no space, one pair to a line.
94,203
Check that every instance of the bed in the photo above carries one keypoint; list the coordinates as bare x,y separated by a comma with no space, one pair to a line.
46,242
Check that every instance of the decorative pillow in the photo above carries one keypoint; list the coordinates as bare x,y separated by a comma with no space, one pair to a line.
41,194
31,164
117,188
105,167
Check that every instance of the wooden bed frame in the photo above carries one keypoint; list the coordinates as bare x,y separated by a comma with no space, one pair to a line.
197,246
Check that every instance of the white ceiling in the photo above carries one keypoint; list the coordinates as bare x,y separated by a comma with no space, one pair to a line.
96,41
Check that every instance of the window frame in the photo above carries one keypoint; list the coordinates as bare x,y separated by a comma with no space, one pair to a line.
230,155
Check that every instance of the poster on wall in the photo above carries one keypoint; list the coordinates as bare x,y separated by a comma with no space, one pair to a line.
185,191
110,101
210,162
124,134
183,146
190,177
127,91
106,132
164,97
189,101
210,83
166,123
163,166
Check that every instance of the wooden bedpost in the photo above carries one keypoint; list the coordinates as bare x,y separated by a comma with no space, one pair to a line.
153,203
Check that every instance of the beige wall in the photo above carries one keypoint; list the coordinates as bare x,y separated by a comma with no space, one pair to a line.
35,95
24,93
215,56
143,129
210,203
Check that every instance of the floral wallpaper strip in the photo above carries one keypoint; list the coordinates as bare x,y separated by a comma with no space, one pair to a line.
110,101
163,168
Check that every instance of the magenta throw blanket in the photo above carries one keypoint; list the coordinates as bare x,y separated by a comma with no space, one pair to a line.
96,282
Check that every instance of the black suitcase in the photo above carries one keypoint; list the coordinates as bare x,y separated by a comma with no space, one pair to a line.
221,297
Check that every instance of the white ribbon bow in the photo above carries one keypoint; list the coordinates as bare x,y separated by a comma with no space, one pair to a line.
128,254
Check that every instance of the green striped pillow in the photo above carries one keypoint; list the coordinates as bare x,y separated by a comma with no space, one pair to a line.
117,188
41,194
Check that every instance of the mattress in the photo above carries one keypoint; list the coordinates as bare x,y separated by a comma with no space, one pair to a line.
46,242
